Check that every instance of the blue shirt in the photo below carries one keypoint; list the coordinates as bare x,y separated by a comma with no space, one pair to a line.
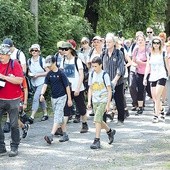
58,83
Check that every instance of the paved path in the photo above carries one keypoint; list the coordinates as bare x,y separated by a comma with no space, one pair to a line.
138,145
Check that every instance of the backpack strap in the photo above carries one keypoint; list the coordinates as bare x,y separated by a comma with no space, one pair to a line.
41,63
75,61
102,77
165,63
18,55
91,52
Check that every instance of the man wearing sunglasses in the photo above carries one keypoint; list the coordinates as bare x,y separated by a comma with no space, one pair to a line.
149,37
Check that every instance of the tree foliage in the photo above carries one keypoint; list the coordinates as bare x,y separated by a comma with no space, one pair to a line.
73,19
17,23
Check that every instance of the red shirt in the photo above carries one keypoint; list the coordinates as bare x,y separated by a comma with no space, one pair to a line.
11,91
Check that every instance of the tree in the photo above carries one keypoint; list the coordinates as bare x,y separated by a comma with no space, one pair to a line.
16,23
167,21
92,13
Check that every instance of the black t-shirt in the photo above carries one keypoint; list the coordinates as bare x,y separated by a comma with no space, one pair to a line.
58,83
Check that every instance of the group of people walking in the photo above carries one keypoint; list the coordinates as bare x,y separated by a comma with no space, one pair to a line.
100,70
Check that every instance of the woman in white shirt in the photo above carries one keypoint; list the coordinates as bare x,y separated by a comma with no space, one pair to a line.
157,65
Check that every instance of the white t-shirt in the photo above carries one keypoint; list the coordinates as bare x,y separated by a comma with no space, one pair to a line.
22,57
157,67
35,68
99,91
71,72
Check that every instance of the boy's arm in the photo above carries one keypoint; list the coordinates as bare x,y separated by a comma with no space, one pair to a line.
43,90
109,89
89,97
69,102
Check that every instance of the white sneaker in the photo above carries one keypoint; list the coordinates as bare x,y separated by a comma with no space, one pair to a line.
155,119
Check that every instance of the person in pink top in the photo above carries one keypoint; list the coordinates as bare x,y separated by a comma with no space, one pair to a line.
139,57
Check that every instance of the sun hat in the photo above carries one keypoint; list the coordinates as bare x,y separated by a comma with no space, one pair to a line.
34,46
59,44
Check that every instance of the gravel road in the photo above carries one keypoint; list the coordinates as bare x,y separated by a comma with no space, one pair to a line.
139,145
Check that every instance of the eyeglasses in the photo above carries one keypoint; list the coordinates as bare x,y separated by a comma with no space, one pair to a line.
156,42
64,49
34,50
149,32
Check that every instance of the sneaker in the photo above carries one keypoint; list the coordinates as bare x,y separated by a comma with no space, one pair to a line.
95,144
92,113
126,114
48,139
84,128
168,112
111,136
3,152
139,111
30,120
155,119
25,130
7,127
134,108
59,132
76,119
13,152
44,118
162,116
64,138
119,123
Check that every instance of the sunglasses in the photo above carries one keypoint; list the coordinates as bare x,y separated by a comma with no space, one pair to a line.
156,42
64,49
149,32
34,50
84,42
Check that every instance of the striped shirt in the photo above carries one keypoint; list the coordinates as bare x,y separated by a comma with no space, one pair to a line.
114,65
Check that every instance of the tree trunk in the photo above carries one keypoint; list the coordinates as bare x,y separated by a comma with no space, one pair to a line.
167,22
92,13
34,10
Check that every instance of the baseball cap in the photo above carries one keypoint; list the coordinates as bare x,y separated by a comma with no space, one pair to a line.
34,46
8,41
5,49
97,38
50,59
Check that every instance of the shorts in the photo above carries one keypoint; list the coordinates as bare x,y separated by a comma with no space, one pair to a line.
161,82
58,108
99,109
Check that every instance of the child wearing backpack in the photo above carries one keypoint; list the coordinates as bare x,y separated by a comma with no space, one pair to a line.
100,94
60,94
